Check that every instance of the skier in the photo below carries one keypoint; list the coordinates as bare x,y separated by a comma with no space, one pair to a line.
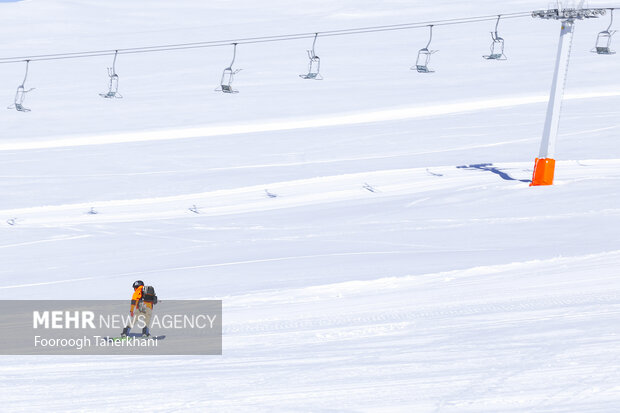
141,308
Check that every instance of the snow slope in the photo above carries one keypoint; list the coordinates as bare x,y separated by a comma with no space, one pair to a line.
401,263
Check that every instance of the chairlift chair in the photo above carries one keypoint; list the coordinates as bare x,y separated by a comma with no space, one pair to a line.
228,76
226,81
113,88
603,39
603,43
424,56
314,64
497,45
113,85
20,94
497,49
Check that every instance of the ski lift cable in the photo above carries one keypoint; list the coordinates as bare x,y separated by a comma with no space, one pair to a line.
291,36
434,22
262,39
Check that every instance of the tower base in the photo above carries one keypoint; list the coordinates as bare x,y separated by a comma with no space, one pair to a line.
544,169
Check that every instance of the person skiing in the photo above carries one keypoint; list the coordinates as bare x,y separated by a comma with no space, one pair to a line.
141,308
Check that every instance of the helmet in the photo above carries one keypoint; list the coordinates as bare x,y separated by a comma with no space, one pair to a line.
137,284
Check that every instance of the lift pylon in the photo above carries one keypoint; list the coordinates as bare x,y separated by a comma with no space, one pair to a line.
544,166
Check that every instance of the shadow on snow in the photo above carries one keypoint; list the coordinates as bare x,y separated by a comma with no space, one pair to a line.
489,167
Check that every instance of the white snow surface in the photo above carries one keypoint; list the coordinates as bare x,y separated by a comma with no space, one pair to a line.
381,275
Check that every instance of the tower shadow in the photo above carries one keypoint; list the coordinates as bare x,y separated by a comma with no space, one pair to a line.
490,168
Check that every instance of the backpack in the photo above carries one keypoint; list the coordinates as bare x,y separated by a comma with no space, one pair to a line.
148,294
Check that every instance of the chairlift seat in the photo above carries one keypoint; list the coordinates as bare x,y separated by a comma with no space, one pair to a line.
604,50
423,69
495,56
228,89
315,76
110,95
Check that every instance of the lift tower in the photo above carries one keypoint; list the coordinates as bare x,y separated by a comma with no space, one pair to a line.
545,164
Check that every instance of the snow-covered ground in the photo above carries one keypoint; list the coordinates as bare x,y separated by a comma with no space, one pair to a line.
402,263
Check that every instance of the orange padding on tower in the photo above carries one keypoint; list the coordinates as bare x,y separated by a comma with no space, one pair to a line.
543,172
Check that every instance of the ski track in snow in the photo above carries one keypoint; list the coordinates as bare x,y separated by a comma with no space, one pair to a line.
284,164
490,338
282,125
240,200
54,239
205,266
292,194
469,320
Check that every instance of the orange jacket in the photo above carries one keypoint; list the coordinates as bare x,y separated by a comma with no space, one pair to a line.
137,295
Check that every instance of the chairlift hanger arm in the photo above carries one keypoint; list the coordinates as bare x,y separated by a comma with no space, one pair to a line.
114,62
234,55
430,38
499,16
314,44
25,74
